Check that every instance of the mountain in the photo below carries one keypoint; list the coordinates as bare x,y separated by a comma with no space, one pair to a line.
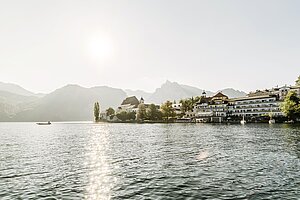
138,93
15,99
72,103
232,93
75,103
197,91
11,104
174,91
16,89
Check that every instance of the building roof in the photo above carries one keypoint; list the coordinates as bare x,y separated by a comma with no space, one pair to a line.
220,94
295,87
131,100
204,100
252,97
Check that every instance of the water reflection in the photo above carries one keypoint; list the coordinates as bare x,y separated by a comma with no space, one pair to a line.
202,155
100,176
291,135
149,161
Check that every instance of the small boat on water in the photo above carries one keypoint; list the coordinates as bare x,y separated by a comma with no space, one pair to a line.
289,122
243,121
272,121
44,123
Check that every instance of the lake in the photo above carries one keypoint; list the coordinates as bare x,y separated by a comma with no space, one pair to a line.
149,161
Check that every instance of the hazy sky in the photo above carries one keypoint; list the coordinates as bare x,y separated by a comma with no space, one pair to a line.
138,44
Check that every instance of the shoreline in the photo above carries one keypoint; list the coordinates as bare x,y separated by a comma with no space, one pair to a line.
187,122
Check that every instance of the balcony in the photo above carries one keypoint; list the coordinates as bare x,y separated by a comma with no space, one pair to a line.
256,102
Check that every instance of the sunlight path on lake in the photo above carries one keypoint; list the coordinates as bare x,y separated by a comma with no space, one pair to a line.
100,180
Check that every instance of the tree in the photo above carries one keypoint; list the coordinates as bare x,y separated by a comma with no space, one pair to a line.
110,112
141,115
126,115
291,105
184,106
96,111
198,99
188,104
159,115
153,113
131,115
298,81
122,116
167,110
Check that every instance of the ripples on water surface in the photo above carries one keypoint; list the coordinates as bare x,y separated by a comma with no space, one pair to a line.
149,161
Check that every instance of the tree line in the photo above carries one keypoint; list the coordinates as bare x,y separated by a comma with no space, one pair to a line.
290,107
150,112
291,104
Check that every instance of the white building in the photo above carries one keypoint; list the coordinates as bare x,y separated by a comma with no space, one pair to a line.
177,108
130,104
211,109
255,106
261,102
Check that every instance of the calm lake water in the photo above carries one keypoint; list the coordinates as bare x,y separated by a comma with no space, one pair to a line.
149,161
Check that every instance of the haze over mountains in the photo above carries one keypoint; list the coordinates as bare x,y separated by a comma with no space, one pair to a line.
175,91
75,103
16,89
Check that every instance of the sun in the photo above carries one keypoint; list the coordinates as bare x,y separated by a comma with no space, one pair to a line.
100,49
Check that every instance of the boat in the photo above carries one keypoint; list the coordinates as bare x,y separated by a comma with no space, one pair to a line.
271,121
289,122
44,123
243,121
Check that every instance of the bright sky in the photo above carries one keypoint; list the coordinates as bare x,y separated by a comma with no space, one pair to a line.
211,44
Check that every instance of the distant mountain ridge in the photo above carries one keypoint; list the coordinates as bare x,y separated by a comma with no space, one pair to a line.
175,91
75,103
16,89
11,104
138,93
232,93
72,103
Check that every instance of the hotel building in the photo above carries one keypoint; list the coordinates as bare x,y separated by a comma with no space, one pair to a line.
256,104
211,109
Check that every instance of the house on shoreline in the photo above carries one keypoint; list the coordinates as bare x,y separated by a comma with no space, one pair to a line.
211,109
256,106
130,104
261,103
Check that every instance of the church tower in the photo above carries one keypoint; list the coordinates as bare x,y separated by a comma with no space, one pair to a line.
142,100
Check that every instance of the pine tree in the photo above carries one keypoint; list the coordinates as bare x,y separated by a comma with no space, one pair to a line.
96,111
